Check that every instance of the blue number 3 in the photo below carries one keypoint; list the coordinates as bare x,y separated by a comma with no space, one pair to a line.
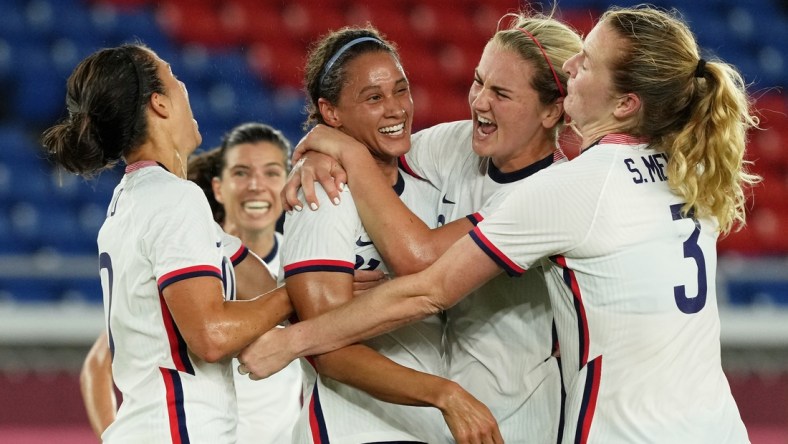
691,250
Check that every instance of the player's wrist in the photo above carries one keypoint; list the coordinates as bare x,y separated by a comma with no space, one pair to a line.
446,392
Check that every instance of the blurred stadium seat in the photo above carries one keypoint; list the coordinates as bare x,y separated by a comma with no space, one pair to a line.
243,60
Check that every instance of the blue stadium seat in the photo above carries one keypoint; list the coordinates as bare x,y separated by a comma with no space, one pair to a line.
40,90
6,187
758,292
12,21
30,290
30,181
18,144
90,217
139,24
84,290
59,228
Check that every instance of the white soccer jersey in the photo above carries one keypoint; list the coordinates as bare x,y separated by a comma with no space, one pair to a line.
269,408
333,239
499,338
632,286
158,231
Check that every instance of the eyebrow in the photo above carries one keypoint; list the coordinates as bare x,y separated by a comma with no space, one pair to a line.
244,166
377,87
497,89
584,53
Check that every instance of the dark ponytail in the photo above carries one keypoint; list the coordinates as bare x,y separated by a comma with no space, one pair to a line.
106,97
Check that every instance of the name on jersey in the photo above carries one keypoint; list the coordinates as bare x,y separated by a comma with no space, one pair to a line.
647,169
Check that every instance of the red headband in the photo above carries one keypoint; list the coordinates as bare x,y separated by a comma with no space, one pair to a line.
555,74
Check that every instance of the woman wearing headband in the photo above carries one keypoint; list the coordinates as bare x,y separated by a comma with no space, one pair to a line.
626,233
167,280
499,340
368,392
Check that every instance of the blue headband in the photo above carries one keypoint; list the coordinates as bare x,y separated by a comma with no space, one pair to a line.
341,51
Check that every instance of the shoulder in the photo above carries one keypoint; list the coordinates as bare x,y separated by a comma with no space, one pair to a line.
327,215
172,198
164,188
449,132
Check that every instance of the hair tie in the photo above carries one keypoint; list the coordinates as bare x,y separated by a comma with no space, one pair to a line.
544,53
700,70
341,51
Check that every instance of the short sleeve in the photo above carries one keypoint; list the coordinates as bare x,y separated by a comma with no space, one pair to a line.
321,240
433,150
182,239
538,217
232,247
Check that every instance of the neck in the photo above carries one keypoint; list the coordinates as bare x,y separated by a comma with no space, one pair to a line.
525,157
592,133
171,158
259,241
389,169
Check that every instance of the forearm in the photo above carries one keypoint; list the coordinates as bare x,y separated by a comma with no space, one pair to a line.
96,386
254,317
235,324
361,367
382,309
400,301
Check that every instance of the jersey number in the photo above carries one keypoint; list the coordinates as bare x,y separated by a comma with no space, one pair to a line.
105,263
691,250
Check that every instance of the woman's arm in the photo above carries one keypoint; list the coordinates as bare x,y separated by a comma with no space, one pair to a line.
459,271
98,390
406,243
215,329
359,366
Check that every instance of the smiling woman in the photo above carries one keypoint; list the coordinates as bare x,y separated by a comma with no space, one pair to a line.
355,83
250,174
172,321
515,103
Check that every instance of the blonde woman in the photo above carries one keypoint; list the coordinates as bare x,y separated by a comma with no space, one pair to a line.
626,233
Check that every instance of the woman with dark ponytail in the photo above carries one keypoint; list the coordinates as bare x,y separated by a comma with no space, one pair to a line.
169,289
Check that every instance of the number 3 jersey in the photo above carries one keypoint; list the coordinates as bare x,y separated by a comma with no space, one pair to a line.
333,239
632,286
159,231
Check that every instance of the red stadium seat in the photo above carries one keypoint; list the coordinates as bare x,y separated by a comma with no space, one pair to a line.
306,23
767,148
437,105
391,20
422,66
194,23
582,20
255,21
772,109
770,226
280,64
458,64
743,242
486,16
448,25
